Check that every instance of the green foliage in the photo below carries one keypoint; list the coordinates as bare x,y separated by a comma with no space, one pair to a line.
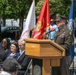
39,6
56,6
18,8
14,8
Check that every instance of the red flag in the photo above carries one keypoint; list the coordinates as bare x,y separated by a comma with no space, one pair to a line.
43,21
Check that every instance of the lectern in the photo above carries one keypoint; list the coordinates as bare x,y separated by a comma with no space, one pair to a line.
47,51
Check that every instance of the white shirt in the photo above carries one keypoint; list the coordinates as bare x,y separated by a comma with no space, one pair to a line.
21,52
4,73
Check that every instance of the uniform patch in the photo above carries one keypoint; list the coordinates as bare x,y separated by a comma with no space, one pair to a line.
62,35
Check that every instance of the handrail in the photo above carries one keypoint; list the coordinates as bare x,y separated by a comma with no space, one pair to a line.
28,67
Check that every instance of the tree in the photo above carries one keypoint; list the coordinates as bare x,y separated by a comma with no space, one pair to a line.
3,4
19,8
14,9
56,6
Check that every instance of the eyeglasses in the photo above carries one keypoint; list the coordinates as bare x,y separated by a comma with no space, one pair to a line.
21,45
12,47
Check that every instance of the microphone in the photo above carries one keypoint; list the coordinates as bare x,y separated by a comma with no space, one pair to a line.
51,29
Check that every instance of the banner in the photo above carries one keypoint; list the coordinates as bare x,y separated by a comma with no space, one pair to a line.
71,17
30,22
43,21
71,26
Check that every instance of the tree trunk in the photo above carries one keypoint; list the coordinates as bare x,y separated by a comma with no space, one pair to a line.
21,24
4,22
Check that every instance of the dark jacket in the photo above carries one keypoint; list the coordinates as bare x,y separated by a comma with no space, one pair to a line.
23,61
15,56
3,54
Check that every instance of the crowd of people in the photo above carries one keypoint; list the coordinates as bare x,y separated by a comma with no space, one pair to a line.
58,32
15,50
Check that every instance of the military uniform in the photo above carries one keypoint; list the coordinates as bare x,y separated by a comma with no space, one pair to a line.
63,37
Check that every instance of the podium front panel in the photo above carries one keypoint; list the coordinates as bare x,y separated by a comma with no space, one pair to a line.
42,50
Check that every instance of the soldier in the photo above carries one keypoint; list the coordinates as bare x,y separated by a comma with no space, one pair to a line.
63,37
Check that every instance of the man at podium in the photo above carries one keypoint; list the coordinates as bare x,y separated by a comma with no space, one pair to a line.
63,37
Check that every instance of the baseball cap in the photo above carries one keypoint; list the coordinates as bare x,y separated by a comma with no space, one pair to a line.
52,20
10,65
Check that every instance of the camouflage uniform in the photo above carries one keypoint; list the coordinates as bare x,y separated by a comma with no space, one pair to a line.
64,38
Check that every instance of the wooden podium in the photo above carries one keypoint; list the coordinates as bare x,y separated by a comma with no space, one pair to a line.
47,50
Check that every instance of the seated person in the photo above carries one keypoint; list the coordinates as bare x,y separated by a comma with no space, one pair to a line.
4,49
23,59
14,53
10,67
0,44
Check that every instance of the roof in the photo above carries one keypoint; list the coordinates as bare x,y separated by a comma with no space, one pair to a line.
10,28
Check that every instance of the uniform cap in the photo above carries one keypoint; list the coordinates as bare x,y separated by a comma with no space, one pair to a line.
60,18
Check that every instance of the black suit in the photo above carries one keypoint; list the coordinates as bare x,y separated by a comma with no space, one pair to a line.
23,60
3,54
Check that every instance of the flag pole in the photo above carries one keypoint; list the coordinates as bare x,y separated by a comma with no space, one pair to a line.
34,0
32,28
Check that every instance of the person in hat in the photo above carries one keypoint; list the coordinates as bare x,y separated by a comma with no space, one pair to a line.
53,29
63,37
10,67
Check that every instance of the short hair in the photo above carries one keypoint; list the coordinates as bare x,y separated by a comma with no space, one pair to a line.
16,44
22,41
10,65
